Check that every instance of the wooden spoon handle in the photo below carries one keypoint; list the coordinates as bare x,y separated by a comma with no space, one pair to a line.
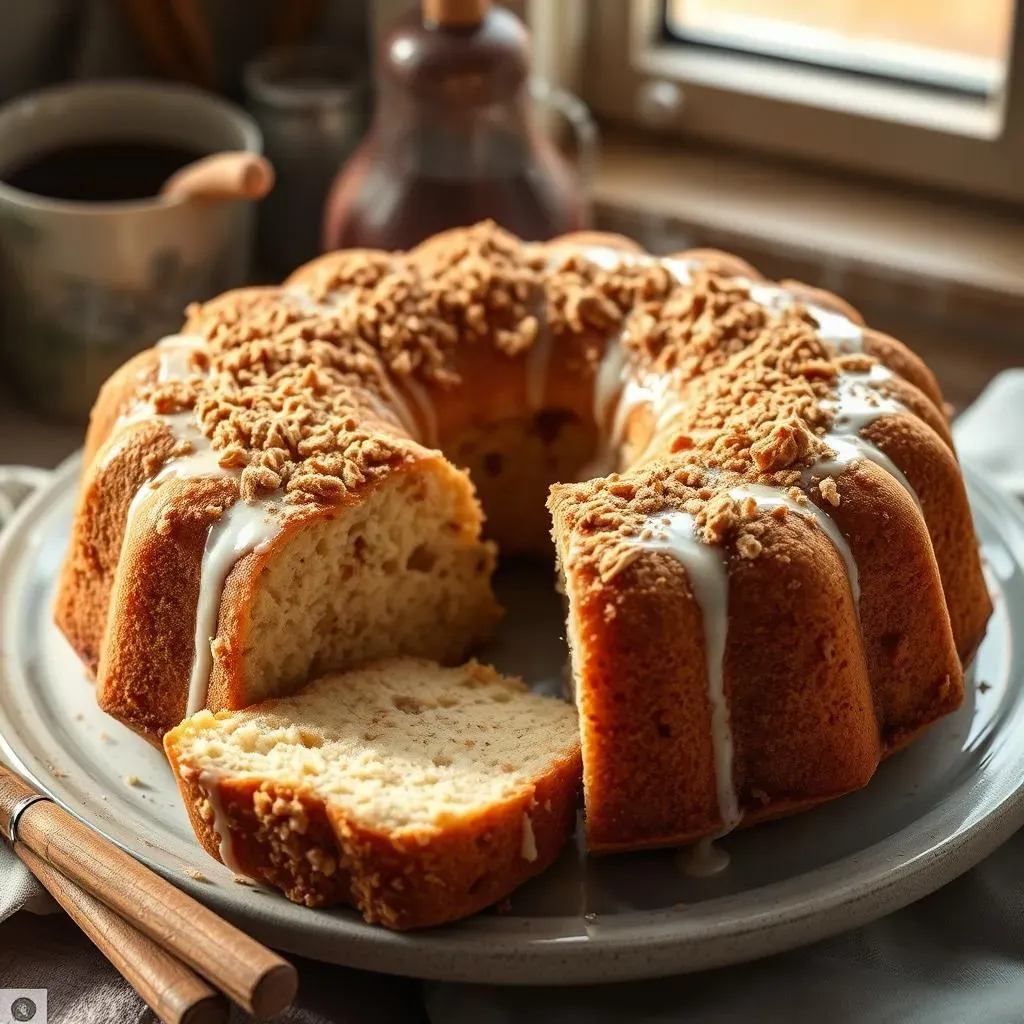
456,13
169,988
234,175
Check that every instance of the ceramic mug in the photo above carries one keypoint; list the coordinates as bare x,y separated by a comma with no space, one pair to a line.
85,285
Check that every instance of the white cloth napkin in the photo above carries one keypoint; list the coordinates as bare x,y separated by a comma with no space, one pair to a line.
990,434
18,888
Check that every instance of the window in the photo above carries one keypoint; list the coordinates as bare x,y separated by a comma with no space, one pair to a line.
960,45
926,90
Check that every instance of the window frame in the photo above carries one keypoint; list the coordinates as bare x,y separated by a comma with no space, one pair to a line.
904,131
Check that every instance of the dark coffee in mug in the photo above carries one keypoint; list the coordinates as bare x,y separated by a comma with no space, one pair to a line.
102,171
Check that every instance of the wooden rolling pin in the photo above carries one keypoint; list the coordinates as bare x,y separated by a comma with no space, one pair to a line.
249,973
231,175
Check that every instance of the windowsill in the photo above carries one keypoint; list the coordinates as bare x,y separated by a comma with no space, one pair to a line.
813,215
823,88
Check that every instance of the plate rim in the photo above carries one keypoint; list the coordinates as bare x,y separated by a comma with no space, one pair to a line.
773,918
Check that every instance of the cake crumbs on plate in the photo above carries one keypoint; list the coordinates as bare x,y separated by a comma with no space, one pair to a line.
132,780
57,773
195,874
242,880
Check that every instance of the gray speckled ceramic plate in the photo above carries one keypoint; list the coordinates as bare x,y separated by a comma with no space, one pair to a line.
931,813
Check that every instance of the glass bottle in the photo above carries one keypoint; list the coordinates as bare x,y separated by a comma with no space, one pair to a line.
453,139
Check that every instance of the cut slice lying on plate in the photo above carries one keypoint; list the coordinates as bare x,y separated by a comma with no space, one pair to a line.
419,794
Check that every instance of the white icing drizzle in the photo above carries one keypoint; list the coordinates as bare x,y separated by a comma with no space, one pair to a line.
851,449
652,390
538,361
608,384
609,381
174,354
858,403
174,362
774,497
681,270
835,330
703,859
607,257
302,298
617,394
243,528
705,567
208,783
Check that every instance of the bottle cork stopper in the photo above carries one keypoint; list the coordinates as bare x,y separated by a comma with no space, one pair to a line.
455,13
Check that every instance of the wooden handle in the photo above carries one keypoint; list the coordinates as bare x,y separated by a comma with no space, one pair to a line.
168,987
249,973
235,175
12,792
456,13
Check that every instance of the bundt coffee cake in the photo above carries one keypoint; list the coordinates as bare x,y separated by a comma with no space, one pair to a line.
419,794
770,569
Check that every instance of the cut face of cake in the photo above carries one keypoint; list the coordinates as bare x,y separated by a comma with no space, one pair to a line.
416,793
770,567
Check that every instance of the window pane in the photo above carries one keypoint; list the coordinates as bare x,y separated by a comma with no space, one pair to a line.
959,44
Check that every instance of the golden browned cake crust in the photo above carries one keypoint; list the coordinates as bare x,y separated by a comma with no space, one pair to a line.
771,569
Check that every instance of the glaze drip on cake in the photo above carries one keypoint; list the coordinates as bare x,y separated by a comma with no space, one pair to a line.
209,784
777,498
175,353
243,528
676,533
837,331
857,404
707,569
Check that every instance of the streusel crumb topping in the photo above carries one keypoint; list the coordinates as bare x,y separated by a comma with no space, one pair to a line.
299,388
